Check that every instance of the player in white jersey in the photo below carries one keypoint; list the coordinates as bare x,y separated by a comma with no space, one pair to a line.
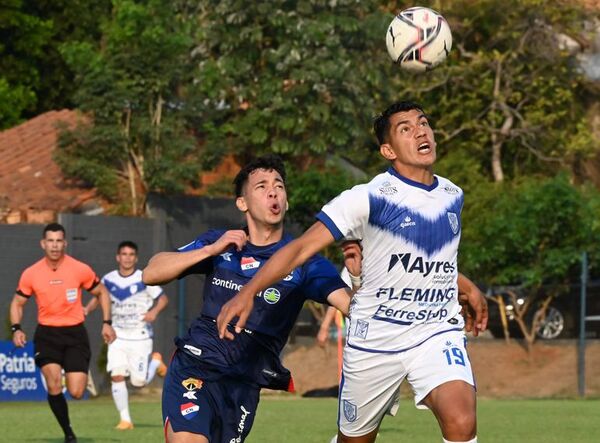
404,320
135,306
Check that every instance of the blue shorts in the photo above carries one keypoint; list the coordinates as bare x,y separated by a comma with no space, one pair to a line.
195,400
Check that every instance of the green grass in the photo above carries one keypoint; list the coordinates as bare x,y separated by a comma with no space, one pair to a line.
296,420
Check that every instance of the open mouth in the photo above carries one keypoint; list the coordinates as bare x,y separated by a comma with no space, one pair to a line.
275,208
424,148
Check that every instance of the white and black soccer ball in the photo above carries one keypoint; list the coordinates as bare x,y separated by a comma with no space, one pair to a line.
418,39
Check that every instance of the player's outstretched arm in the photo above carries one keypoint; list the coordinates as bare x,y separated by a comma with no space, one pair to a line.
278,266
166,266
474,304
16,315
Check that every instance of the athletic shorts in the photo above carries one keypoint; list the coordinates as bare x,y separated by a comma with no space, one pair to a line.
129,358
222,410
370,383
69,346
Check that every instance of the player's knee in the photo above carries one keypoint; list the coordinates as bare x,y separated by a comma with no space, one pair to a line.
460,427
137,382
76,393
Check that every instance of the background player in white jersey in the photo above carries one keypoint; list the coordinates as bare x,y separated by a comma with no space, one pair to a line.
404,320
135,306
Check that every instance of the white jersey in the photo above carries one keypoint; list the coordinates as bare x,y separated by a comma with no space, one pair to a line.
410,234
131,299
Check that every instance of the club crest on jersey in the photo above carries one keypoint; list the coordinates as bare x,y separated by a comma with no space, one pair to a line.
271,295
248,263
362,328
192,383
387,189
189,410
349,411
133,289
453,220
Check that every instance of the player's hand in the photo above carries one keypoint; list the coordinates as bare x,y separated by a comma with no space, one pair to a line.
322,337
236,237
352,256
19,339
239,306
474,309
149,316
108,333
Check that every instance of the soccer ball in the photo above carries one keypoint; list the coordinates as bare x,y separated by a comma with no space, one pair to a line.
418,39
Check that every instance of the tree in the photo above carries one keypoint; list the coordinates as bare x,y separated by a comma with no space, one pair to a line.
529,232
509,97
297,78
23,38
132,88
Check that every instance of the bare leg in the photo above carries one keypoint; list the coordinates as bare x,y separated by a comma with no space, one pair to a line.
367,438
183,437
76,383
454,405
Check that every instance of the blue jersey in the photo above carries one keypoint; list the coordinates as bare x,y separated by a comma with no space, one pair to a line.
254,354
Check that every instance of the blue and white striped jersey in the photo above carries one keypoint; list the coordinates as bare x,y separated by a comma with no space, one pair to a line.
410,234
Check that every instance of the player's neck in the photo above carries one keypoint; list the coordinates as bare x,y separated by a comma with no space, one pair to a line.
126,272
54,264
260,235
420,174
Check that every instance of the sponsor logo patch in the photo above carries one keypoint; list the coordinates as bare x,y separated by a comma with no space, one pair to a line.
71,295
271,295
189,410
193,349
192,383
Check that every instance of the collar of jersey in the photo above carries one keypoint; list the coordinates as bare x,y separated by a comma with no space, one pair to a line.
252,248
410,182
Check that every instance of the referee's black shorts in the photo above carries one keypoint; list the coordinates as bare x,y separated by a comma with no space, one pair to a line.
69,346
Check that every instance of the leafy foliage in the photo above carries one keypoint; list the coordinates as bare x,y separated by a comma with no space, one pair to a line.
131,87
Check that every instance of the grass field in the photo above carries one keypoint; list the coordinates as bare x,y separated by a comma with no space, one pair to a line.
295,420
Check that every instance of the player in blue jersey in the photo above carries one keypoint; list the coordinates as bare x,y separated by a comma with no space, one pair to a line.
212,387
405,319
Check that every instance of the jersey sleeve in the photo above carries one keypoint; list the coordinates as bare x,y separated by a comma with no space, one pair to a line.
347,215
205,266
321,279
345,276
154,291
88,278
25,286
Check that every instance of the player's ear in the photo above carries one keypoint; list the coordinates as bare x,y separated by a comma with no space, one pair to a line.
240,202
387,152
287,205
42,243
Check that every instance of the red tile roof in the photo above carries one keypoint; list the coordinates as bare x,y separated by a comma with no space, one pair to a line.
30,180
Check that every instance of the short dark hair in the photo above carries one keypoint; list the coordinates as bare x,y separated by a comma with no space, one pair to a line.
381,125
268,162
127,244
53,227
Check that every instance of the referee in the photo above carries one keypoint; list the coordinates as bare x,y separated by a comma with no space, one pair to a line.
60,340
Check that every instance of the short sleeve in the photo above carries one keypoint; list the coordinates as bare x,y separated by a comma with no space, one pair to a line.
347,215
87,277
206,265
154,291
25,287
321,279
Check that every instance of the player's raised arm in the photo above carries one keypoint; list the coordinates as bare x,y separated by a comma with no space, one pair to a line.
278,266
166,266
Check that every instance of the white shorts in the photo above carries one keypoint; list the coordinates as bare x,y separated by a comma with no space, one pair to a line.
129,358
370,384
